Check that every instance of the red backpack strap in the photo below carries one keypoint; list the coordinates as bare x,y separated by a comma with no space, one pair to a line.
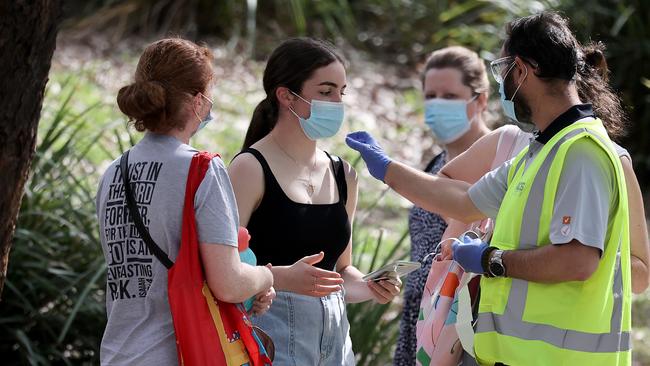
233,316
198,167
197,341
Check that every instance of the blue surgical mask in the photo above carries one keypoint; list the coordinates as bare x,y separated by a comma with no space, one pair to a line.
325,119
447,118
509,105
208,118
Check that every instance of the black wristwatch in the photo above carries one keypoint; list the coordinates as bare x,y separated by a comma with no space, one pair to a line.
485,260
492,262
496,267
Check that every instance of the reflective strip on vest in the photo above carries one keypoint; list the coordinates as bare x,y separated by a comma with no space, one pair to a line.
511,322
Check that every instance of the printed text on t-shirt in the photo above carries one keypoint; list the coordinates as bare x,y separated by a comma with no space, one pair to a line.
130,262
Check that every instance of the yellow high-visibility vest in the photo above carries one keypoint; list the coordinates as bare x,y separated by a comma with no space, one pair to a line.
571,323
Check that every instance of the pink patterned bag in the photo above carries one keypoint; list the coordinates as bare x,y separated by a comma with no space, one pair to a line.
437,339
445,310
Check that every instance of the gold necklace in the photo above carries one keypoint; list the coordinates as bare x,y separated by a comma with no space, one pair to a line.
310,186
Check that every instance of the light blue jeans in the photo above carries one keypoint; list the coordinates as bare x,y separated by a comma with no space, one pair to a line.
308,331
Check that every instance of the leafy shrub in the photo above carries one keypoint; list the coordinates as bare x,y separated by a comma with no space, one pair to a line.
52,310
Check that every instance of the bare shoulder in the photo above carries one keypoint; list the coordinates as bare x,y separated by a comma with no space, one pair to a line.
492,138
247,178
350,172
245,165
485,147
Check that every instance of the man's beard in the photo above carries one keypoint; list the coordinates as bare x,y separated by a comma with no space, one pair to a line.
522,109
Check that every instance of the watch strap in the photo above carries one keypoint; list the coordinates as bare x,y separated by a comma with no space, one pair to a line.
485,260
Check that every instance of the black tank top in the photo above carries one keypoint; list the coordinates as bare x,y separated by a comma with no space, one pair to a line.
283,231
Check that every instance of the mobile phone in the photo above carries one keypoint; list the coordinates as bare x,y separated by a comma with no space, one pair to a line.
402,268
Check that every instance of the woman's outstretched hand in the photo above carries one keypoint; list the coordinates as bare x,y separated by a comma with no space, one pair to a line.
374,156
305,279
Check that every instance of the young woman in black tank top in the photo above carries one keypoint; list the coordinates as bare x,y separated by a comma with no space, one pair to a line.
298,203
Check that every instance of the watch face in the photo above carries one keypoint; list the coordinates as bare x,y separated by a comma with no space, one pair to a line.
496,269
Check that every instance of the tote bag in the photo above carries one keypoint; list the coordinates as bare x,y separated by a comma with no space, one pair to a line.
209,332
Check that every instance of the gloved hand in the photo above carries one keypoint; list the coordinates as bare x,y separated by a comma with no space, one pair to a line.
374,156
469,254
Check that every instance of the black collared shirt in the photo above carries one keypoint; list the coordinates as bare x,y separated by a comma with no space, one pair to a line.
573,114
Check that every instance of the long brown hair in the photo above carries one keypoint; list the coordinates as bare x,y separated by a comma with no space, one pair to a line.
547,39
593,86
169,72
293,62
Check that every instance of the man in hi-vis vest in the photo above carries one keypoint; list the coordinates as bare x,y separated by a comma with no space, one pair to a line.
556,284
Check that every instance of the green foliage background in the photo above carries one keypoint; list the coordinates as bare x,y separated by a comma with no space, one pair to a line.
400,32
53,305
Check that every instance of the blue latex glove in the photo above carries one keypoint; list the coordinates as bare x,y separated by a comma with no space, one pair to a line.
469,254
374,156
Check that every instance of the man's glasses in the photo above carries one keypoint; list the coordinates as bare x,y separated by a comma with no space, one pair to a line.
500,67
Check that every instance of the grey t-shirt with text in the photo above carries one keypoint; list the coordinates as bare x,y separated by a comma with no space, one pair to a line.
585,197
139,330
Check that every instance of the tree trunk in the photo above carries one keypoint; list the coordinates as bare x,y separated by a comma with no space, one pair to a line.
27,41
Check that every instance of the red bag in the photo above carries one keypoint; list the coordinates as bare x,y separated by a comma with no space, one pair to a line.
208,331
